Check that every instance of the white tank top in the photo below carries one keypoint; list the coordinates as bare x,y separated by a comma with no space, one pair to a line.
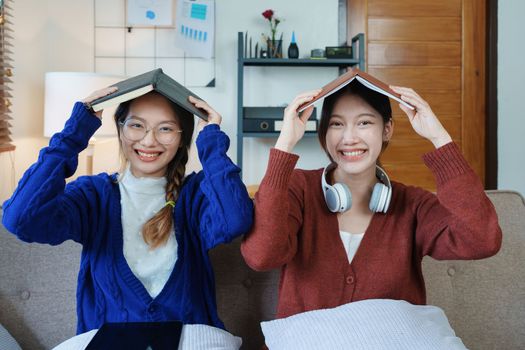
351,242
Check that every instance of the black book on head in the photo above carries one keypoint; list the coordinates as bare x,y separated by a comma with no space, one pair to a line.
142,84
137,336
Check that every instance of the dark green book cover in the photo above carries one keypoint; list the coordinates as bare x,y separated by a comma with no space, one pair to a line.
142,84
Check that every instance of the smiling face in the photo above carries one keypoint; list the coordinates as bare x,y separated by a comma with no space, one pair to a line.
355,135
147,156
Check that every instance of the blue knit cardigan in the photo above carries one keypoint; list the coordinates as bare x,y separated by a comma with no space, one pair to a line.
213,208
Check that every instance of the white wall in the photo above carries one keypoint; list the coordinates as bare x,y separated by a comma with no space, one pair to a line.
57,35
511,95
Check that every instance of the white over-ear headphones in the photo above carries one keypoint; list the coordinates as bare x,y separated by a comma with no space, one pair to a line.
339,199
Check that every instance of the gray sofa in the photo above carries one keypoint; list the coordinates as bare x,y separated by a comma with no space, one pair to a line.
484,300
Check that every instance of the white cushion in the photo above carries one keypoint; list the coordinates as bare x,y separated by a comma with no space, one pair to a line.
202,337
193,337
78,342
369,324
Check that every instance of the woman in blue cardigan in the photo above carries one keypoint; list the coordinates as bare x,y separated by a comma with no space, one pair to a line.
145,232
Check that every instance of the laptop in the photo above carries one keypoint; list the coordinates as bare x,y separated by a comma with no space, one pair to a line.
137,336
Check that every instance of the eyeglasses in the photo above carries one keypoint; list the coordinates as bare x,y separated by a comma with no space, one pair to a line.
135,130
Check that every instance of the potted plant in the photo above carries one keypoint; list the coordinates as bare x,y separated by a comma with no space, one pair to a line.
274,45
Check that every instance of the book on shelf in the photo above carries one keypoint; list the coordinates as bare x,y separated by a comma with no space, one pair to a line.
363,78
142,84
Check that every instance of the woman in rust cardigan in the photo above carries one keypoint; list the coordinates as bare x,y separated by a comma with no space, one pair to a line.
346,233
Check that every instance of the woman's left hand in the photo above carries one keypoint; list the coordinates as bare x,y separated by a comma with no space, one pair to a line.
423,120
213,116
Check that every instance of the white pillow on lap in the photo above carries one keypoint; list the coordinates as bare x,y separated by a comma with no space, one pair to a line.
203,337
193,337
78,342
379,324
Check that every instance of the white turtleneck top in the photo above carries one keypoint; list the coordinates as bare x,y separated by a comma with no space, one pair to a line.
141,199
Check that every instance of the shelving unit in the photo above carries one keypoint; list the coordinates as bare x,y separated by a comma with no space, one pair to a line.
358,46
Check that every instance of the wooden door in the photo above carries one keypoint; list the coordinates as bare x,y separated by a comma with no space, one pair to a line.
438,49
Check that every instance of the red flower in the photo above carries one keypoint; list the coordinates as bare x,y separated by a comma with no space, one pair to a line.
273,21
268,14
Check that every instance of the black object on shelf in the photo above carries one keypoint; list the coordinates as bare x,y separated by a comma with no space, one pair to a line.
338,52
269,120
263,112
293,50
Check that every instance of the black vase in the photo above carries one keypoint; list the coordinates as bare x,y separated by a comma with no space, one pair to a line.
293,50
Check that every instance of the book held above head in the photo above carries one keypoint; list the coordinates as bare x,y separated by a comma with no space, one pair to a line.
362,77
142,84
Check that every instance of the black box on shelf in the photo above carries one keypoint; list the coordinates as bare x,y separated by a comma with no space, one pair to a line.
338,52
270,119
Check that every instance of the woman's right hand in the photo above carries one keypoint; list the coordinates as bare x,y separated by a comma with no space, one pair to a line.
98,94
294,125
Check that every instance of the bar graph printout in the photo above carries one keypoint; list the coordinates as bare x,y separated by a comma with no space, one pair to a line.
195,27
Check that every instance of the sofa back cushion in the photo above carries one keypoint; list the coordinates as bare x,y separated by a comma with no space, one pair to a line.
484,299
38,291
